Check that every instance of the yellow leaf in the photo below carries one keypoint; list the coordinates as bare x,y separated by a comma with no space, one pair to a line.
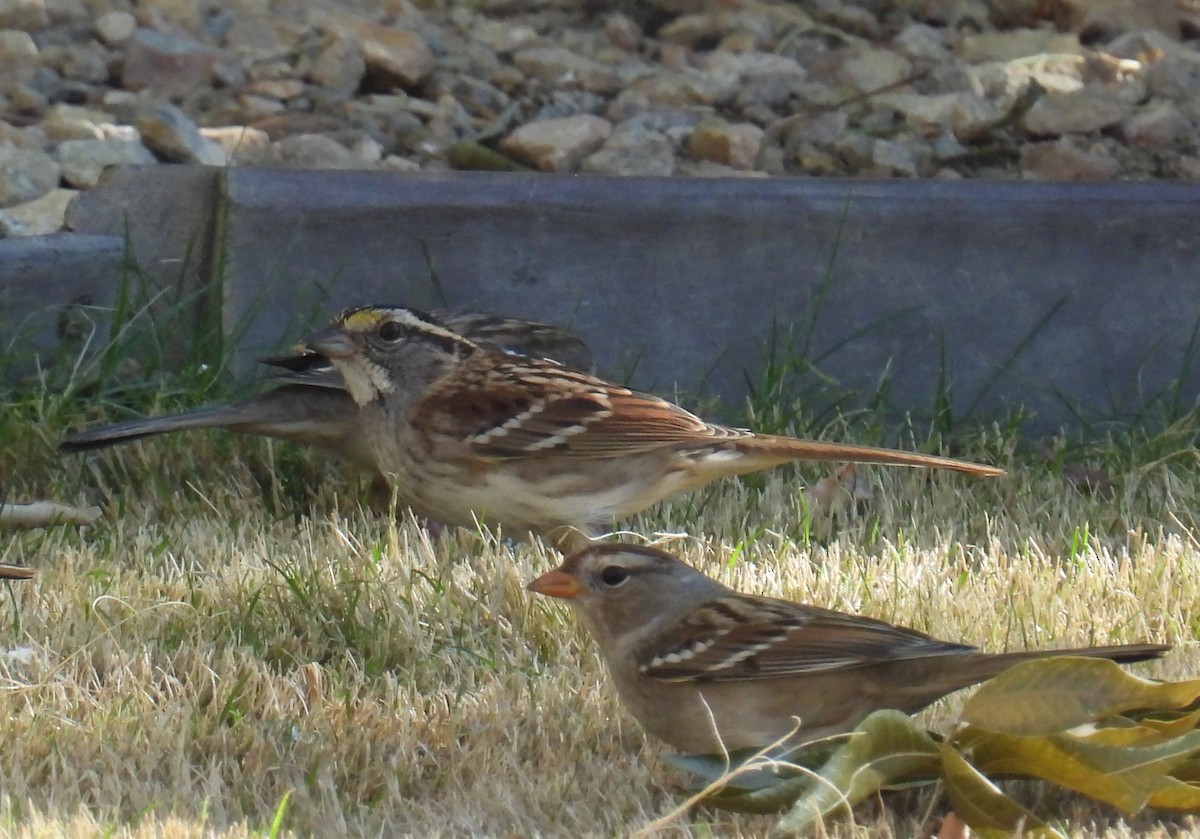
1049,695
1127,777
981,804
888,747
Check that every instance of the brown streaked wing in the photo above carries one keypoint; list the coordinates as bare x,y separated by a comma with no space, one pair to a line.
527,337
520,407
755,638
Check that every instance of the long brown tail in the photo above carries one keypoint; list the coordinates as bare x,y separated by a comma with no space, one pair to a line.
126,432
984,666
15,572
769,450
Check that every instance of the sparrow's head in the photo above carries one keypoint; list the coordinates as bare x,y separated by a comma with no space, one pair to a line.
623,587
379,349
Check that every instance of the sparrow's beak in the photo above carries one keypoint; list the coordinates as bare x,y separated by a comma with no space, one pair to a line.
556,584
331,342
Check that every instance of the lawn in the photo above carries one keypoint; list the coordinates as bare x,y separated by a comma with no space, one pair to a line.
241,648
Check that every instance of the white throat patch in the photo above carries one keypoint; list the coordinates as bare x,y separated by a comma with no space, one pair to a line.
365,380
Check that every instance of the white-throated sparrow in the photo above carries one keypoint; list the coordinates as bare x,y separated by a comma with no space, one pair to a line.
309,403
469,433
706,668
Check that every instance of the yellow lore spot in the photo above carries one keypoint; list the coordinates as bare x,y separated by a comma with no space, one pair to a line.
363,320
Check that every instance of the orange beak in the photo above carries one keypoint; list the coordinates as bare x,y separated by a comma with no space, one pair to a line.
556,584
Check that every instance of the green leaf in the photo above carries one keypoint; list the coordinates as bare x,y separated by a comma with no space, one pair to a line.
1049,695
1175,794
981,804
1127,777
888,747
1123,731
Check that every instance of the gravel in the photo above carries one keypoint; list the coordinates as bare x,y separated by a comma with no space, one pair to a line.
1051,89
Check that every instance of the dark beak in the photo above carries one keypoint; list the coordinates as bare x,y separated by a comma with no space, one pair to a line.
331,342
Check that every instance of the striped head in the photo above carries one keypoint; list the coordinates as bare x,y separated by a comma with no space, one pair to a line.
378,349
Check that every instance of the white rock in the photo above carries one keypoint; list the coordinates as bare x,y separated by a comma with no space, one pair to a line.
18,56
71,122
114,28
557,145
38,217
25,174
169,133
83,161
23,14
875,69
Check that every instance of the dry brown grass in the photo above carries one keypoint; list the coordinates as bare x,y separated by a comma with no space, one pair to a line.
181,668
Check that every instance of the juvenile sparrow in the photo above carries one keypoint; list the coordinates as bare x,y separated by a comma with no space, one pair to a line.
310,403
470,433
706,668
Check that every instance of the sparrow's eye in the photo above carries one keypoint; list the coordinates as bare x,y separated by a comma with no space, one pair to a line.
391,331
614,575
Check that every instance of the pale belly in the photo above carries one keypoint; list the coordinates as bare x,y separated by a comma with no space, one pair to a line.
542,494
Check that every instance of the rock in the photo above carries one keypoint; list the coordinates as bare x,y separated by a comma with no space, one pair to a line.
258,37
38,217
341,64
30,137
169,133
854,150
71,122
955,14
124,133
1157,126
25,174
281,89
85,63
1055,73
242,144
1079,112
1016,43
286,124
1188,167
1062,161
368,150
895,157
393,55
19,57
814,161
557,145
26,100
560,66
29,15
622,32
822,129
115,28
727,74
708,26
672,87
918,40
633,149
1102,20
1176,77
315,151
83,161
875,69
502,36
170,64
712,169
632,104
63,12
732,145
